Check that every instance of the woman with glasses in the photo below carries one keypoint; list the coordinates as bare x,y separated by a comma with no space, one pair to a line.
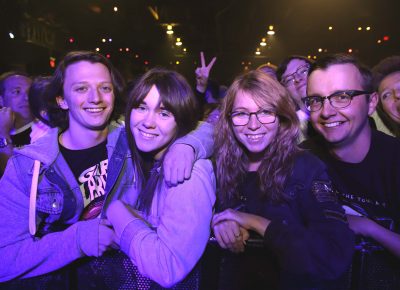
279,219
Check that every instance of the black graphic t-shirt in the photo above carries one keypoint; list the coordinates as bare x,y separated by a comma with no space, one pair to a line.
90,169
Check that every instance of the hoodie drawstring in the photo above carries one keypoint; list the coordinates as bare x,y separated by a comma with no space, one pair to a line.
32,198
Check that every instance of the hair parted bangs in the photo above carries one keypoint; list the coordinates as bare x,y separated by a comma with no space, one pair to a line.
231,156
177,97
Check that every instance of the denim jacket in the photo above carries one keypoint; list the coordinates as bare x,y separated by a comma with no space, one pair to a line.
59,205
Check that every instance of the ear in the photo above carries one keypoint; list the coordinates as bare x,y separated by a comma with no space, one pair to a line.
62,103
373,102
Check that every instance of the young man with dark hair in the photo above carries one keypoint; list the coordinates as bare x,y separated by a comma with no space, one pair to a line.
54,192
364,164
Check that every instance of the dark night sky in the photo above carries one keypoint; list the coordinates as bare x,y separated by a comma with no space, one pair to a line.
229,29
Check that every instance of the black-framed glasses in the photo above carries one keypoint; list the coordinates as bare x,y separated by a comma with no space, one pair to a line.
338,100
301,71
241,118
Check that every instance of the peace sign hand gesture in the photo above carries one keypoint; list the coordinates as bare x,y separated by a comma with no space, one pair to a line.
203,72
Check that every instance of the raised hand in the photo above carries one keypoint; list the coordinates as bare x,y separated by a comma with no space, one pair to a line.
203,72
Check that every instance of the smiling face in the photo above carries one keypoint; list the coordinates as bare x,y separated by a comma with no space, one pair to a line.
347,126
297,88
389,95
254,136
88,96
16,88
153,127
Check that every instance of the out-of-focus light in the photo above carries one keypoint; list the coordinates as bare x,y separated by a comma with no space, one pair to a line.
257,53
368,28
108,55
249,63
120,49
263,43
271,32
379,41
319,49
71,40
242,62
110,40
97,49
386,38
330,27
136,56
177,62
169,27
169,32
103,40
178,42
349,50
115,9
246,67
271,27
184,49
359,28
146,62
52,62
127,49
11,35
308,56
314,57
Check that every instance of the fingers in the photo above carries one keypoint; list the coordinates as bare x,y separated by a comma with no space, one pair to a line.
229,236
203,61
210,65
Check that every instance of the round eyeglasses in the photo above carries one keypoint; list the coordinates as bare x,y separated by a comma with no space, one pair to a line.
241,118
301,71
338,100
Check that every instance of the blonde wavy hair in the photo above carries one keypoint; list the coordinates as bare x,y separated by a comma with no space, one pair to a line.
231,156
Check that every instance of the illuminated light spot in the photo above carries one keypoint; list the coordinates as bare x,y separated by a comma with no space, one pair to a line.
103,40
71,40
97,49
170,32
169,27
249,63
127,49
184,49
108,55
359,28
11,35
386,38
349,50
242,62
177,62
308,56
263,43
52,62
136,56
319,49
115,9
271,32
379,41
314,57
330,27
257,53
271,27
120,49
146,62
110,40
368,28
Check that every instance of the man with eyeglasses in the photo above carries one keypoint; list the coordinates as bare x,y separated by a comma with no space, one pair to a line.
363,163
292,73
